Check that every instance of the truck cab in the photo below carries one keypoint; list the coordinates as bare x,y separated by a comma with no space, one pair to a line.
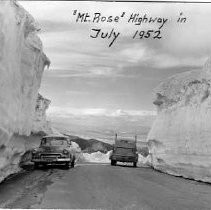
124,150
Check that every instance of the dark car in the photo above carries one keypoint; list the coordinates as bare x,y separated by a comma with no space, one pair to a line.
124,151
54,150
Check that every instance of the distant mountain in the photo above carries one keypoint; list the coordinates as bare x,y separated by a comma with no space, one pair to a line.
104,128
91,145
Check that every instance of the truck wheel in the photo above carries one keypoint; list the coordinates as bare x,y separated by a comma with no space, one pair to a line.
135,164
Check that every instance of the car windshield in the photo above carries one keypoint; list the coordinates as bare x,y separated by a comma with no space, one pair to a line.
54,142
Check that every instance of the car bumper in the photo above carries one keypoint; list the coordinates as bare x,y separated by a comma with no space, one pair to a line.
124,159
51,160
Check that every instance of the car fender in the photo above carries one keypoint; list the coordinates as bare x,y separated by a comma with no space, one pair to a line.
110,155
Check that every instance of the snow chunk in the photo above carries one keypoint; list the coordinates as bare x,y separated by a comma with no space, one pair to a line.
96,157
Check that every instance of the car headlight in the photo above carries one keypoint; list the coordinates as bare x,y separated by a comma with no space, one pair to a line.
35,155
34,152
65,151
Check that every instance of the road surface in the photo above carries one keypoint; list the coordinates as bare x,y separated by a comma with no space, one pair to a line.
95,186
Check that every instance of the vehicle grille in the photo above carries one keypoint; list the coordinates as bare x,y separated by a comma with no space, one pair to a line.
50,155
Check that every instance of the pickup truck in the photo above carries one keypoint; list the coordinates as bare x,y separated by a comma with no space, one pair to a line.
124,150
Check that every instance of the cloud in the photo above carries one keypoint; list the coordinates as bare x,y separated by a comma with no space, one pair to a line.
76,92
102,71
50,26
131,68
89,72
67,112
134,53
68,43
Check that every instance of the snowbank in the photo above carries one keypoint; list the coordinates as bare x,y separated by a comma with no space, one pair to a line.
99,157
180,138
144,161
22,62
76,150
96,157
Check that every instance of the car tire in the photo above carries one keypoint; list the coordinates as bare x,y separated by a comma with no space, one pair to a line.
135,164
36,165
67,165
113,162
44,165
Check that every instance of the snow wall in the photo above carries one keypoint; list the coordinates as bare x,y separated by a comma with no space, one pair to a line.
180,138
22,62
40,123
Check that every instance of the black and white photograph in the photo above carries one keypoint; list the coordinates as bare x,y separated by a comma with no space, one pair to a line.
105,104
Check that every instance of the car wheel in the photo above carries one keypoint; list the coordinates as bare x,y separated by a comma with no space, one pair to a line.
36,165
44,165
67,165
135,164
113,162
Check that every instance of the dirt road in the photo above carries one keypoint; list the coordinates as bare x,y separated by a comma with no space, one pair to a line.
89,186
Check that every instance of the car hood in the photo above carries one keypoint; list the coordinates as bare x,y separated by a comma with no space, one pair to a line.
52,149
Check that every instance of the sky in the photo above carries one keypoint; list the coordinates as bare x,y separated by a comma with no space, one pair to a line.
88,77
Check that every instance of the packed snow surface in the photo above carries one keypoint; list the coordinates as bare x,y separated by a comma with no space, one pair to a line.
22,62
96,157
180,138
99,157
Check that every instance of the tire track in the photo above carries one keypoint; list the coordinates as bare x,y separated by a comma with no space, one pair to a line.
25,189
